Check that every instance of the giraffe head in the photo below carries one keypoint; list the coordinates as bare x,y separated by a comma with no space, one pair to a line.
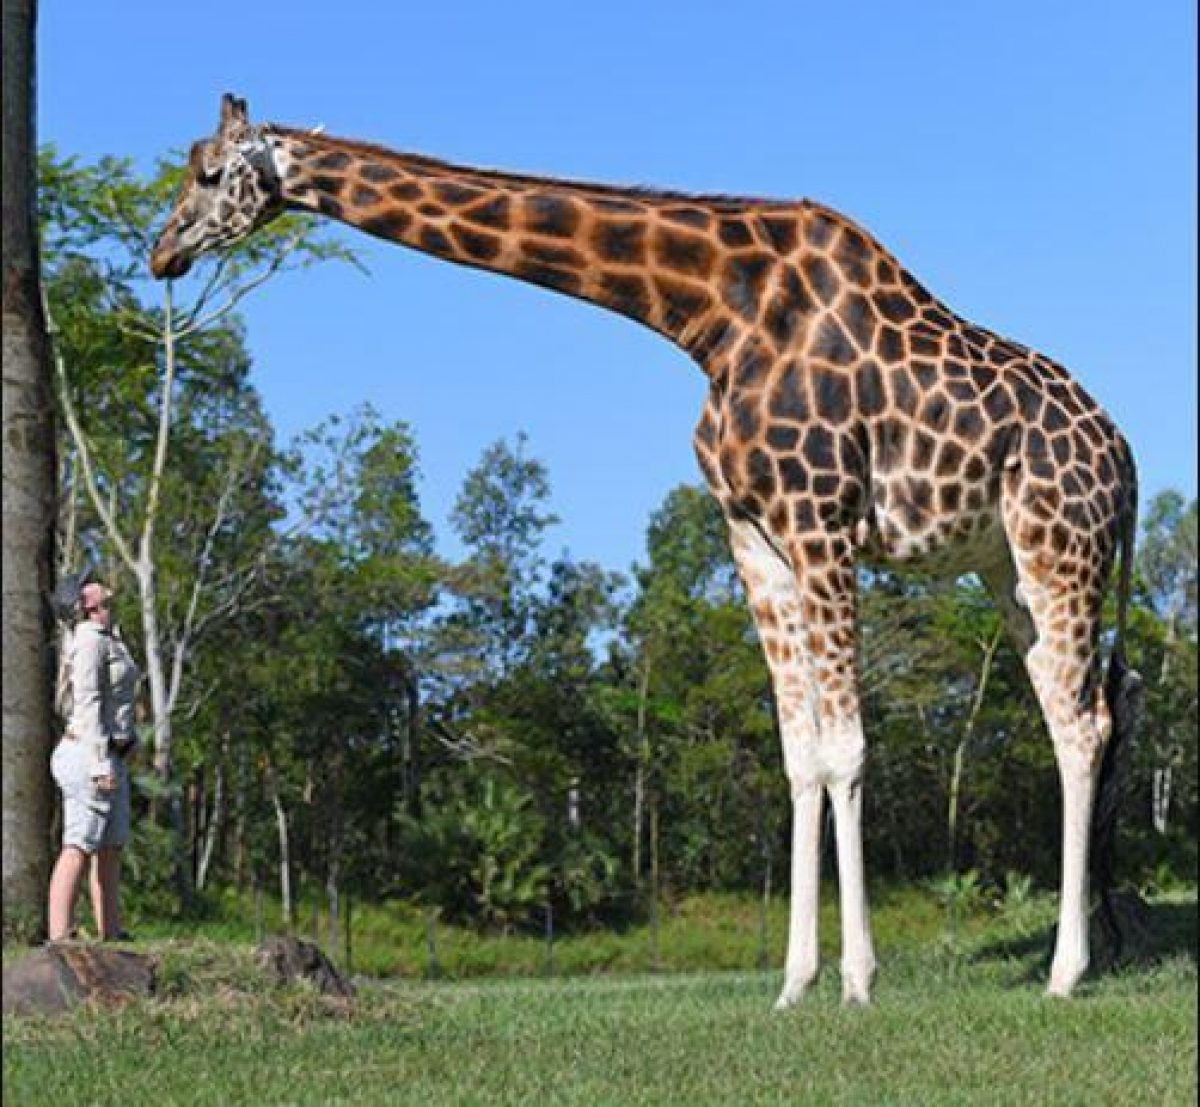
231,187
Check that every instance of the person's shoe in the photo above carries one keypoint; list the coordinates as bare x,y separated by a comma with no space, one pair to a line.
119,936
71,936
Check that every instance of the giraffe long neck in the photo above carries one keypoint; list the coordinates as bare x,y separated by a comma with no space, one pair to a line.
692,268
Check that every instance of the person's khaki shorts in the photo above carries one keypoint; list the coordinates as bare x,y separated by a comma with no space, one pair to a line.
91,819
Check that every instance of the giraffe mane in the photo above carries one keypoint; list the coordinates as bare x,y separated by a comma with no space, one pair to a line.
717,201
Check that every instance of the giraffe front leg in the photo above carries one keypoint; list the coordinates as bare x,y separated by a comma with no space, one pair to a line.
846,756
803,956
829,587
775,602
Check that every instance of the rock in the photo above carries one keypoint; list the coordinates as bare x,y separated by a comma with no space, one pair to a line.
56,978
289,959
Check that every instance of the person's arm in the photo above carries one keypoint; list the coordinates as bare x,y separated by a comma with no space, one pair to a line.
89,686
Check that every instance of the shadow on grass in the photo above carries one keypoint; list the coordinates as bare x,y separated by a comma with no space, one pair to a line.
1152,933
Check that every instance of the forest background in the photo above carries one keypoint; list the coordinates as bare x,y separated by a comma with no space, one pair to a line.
506,735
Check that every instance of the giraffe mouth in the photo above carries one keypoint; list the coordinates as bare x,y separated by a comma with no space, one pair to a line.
166,264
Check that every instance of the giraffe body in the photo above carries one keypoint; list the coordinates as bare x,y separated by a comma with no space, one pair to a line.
851,418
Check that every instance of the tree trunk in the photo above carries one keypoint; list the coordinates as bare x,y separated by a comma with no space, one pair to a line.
285,853
29,495
331,890
954,800
156,675
412,744
212,830
639,780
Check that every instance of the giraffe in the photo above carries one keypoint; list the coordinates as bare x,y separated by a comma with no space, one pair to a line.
851,418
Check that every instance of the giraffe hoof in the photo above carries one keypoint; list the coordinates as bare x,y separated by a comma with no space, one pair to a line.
1060,989
791,995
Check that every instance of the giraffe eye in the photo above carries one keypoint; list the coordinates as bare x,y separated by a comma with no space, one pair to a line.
207,176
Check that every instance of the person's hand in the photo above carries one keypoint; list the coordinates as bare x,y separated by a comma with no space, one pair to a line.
105,784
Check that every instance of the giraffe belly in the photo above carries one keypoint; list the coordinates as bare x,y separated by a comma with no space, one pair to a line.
902,529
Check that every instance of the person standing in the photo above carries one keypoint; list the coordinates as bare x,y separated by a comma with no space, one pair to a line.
90,767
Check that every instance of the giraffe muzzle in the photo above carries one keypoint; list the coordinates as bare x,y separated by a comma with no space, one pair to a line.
166,263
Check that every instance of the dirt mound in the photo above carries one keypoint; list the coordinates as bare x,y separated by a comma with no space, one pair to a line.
57,977
290,959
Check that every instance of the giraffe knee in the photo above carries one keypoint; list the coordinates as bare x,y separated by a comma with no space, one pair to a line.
844,755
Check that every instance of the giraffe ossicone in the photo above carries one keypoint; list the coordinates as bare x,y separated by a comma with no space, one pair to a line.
851,417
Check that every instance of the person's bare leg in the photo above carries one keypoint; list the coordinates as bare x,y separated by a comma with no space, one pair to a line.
64,887
106,891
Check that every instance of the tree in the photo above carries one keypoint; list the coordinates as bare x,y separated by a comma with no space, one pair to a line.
501,516
168,447
707,779
1166,759
29,513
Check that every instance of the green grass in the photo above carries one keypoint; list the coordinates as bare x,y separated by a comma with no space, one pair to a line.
959,1017
708,932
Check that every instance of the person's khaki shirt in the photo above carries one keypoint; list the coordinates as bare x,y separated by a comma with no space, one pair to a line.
103,687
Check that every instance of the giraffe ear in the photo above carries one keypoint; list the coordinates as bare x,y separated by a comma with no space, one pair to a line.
233,112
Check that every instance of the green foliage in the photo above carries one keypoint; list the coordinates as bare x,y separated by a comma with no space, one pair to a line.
958,893
475,855
501,733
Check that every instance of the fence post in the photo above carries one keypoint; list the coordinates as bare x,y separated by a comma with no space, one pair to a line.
433,968
548,968
655,956
349,963
764,907
258,906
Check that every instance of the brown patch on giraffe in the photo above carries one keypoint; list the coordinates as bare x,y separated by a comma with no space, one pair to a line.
819,229
789,398
895,307
551,215
327,185
476,245
890,344
821,279
405,191
734,231
390,224
689,217
829,342
545,253
336,161
377,173
621,241
363,196
455,194
831,393
551,276
495,212
858,316
869,395
626,293
742,283
854,256
782,233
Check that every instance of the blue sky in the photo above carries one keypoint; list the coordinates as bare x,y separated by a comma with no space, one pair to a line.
1033,163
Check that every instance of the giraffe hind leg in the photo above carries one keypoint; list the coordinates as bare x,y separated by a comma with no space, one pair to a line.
1059,589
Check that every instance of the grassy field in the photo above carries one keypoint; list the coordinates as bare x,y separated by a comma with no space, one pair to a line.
959,1018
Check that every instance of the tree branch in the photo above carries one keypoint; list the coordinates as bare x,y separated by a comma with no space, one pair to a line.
85,457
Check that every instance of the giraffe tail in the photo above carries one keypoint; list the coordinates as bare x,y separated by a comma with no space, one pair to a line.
1122,693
